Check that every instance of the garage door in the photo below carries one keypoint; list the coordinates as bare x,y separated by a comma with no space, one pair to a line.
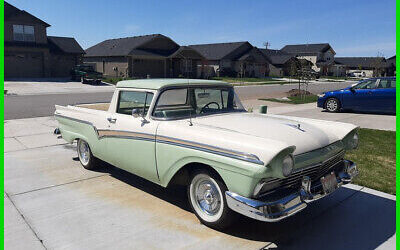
20,65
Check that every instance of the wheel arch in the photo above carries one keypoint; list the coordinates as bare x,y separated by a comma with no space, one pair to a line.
183,174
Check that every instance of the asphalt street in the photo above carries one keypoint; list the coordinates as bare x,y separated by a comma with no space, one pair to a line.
28,106
39,105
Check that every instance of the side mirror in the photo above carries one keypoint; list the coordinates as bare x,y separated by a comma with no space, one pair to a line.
136,112
352,90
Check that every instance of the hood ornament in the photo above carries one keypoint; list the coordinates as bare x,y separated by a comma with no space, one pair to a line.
296,126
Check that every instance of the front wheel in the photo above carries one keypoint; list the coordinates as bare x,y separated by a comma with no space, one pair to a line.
85,155
332,105
83,80
206,194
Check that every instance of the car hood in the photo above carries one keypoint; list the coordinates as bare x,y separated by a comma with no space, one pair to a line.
259,134
304,135
337,91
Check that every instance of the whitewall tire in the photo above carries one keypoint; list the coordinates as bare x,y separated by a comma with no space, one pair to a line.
85,155
206,194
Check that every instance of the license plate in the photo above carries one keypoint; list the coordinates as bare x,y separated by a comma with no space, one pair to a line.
329,183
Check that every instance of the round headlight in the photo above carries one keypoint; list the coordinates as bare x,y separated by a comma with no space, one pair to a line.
321,95
287,165
354,141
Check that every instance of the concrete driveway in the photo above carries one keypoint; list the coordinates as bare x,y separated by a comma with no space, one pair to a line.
51,202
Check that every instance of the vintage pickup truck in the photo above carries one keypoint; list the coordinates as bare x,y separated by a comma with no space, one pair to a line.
197,133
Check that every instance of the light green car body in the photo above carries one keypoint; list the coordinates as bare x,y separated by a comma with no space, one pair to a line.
160,162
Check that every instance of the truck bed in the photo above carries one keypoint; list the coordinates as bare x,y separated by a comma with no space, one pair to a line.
96,106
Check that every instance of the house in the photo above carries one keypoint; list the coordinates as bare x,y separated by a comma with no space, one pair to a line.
235,59
283,63
152,56
360,66
321,55
391,66
30,53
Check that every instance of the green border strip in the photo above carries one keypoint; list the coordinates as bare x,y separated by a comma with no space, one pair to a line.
2,116
397,124
2,113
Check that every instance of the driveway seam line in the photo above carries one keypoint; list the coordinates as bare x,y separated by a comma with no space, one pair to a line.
25,147
25,220
29,134
36,147
58,185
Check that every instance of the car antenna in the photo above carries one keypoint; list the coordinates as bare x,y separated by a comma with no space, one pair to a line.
190,99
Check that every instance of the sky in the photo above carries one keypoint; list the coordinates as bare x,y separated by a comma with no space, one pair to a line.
352,27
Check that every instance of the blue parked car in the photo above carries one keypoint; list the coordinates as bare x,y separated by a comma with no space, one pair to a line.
370,95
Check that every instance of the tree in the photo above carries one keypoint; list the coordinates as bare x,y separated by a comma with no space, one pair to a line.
267,44
293,68
378,64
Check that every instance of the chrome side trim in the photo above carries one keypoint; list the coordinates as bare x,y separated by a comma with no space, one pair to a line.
106,133
74,119
289,205
210,149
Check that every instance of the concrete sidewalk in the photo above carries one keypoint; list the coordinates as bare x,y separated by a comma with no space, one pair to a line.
51,202
51,87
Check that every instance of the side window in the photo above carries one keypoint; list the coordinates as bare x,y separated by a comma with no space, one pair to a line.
209,98
173,103
129,100
387,84
368,84
173,97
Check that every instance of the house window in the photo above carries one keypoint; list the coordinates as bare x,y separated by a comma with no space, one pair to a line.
25,33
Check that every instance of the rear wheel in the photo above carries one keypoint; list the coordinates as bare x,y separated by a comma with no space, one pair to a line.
206,194
85,155
83,80
332,105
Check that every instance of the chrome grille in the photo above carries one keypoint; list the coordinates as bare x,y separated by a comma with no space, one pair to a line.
314,172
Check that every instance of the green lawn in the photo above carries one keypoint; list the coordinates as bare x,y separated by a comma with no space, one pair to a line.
260,83
340,78
376,160
294,99
114,80
248,79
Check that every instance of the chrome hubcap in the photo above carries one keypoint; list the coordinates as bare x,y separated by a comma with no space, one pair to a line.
331,105
84,152
208,197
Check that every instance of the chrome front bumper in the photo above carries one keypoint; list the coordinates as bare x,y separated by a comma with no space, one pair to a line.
288,205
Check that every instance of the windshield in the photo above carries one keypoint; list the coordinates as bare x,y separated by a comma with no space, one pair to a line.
195,101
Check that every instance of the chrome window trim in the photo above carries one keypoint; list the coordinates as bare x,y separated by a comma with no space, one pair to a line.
163,89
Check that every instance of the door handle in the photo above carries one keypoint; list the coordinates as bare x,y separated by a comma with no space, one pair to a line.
111,120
